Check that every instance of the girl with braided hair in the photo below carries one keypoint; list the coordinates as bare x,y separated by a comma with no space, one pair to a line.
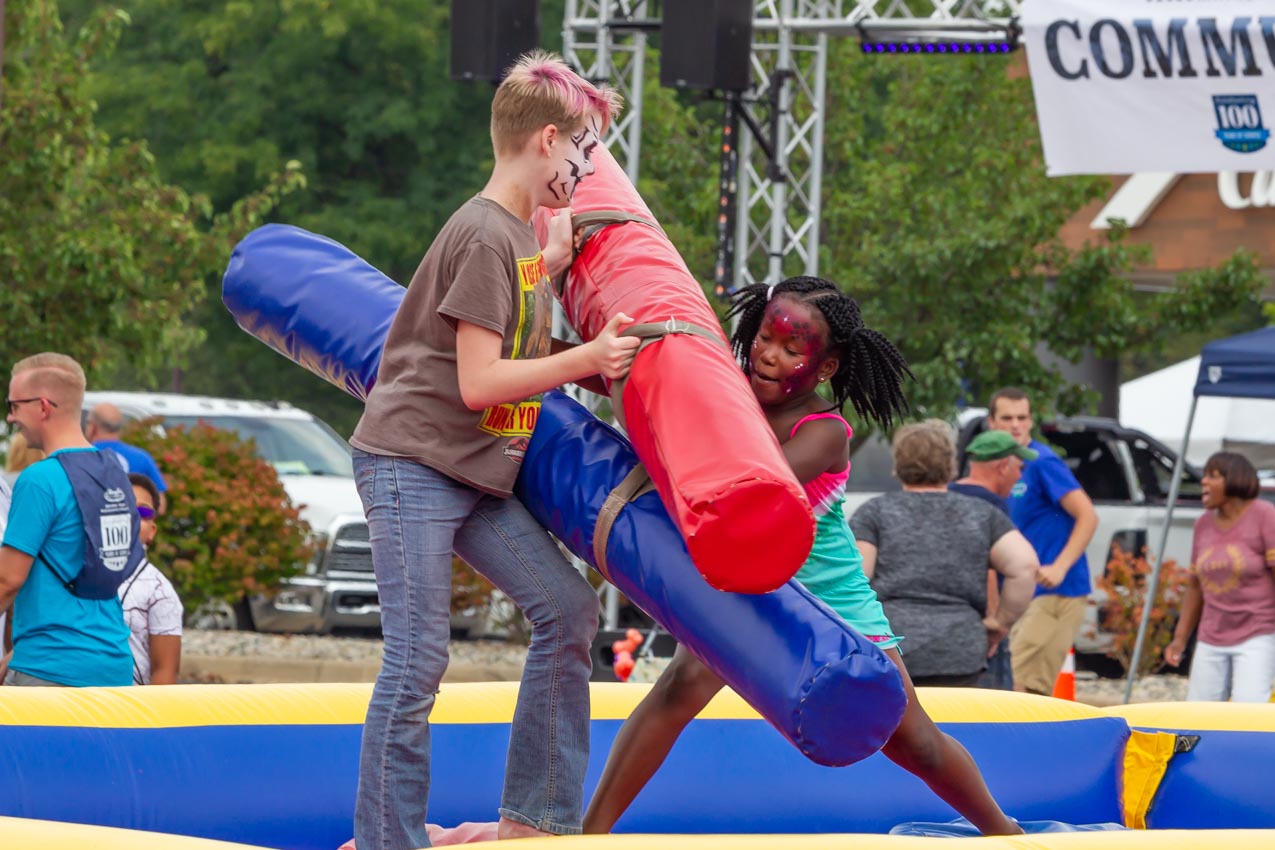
791,338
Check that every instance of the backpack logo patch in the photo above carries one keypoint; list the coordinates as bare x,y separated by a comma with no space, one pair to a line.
117,539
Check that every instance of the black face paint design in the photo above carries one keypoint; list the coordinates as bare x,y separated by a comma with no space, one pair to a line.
568,185
586,141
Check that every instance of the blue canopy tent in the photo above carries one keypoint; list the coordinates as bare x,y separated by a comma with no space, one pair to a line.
1236,367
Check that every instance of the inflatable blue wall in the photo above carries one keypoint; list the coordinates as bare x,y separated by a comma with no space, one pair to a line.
276,765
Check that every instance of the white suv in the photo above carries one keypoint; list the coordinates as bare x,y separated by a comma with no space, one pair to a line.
338,588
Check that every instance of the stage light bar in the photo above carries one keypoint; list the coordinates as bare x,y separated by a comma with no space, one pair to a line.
965,48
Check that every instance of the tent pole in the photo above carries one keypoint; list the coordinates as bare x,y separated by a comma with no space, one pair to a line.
1154,580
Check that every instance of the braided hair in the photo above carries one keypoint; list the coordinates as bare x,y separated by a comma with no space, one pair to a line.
871,371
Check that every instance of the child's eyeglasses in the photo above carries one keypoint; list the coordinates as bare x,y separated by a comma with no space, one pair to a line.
145,512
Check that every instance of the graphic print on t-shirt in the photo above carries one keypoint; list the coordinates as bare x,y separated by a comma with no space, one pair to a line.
1219,573
531,339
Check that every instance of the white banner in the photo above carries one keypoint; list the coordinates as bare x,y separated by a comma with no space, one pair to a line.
1124,86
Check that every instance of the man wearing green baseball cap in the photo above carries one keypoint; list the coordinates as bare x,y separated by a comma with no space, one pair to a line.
994,445
996,463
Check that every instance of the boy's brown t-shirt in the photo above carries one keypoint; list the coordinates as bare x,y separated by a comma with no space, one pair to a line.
484,267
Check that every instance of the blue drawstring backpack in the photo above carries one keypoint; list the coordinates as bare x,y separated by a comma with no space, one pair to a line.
113,549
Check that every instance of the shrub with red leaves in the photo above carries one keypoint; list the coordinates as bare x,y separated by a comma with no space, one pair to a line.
1125,585
230,528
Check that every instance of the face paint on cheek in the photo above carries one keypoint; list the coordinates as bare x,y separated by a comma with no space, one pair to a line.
804,376
581,170
573,179
578,160
799,378
564,188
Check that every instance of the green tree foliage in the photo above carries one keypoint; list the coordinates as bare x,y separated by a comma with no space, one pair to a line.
230,528
99,257
679,170
937,212
357,91
938,216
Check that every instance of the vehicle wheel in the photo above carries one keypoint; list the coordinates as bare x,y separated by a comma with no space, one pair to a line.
221,616
1104,665
243,616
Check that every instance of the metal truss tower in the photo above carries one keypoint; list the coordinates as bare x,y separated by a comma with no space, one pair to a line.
777,196
774,199
605,40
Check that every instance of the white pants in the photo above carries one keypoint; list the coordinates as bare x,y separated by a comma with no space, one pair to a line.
1242,673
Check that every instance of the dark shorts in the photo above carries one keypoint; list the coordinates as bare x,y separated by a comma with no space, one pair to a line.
965,680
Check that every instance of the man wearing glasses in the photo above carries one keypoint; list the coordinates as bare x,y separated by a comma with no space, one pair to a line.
72,538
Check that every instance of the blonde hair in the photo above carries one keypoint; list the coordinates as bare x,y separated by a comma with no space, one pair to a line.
20,455
924,453
56,376
539,90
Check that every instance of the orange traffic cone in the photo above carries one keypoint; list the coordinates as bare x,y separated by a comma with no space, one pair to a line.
1065,684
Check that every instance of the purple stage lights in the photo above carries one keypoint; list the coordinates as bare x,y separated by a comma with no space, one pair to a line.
963,48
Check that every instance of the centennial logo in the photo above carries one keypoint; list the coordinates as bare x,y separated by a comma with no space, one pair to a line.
1239,122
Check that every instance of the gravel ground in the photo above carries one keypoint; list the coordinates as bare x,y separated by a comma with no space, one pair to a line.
1089,687
240,644
1096,691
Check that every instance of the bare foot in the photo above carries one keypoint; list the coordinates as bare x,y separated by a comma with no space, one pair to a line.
513,829
1009,827
466,833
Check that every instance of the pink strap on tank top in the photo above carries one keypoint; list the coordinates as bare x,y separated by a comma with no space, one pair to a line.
828,415
828,487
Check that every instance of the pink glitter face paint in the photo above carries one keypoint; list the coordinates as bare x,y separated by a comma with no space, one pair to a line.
787,352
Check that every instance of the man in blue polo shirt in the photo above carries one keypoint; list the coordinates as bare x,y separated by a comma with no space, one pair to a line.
59,637
1054,513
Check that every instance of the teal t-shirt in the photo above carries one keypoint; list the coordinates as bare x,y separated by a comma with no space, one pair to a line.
56,635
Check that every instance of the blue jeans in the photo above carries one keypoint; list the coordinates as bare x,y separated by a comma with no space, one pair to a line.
999,674
416,517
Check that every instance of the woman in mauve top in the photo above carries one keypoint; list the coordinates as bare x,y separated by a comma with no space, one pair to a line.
1231,594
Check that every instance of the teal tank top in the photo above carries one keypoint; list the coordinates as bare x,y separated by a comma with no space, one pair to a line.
834,570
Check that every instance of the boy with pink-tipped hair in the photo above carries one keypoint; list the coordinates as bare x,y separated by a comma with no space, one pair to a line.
436,453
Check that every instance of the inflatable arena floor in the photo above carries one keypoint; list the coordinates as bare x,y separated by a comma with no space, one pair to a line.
191,767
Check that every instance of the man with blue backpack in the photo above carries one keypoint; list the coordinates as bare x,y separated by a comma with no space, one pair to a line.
71,540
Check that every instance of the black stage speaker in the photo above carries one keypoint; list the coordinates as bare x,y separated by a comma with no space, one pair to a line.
705,44
488,35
